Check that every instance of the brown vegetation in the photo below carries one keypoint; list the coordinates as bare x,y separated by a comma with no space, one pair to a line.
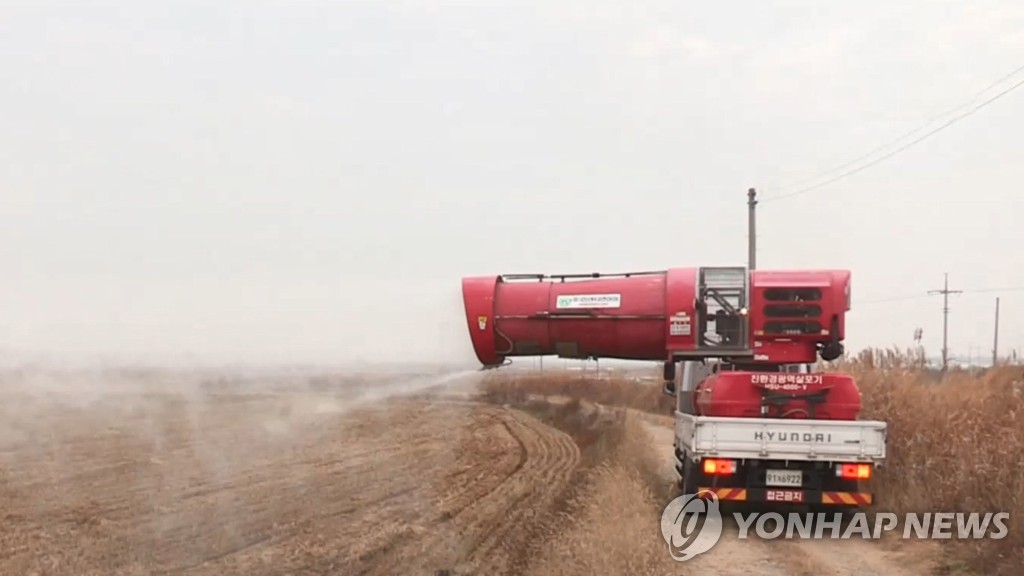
956,441
955,445
138,474
642,393
272,484
238,476
608,523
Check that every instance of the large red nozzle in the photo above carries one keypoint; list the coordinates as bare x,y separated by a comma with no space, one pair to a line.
478,297
613,317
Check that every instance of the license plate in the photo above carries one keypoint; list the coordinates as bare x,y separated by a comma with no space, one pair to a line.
793,496
784,478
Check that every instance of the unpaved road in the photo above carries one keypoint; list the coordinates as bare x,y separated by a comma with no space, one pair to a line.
301,483
853,557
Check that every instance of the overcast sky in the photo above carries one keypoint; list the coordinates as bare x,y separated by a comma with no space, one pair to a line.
309,183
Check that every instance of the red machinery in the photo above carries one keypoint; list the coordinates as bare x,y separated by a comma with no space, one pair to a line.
774,317
758,322
783,395
753,422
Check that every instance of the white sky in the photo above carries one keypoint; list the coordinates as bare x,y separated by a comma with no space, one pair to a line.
310,183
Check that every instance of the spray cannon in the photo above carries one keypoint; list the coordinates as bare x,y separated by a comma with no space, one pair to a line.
761,317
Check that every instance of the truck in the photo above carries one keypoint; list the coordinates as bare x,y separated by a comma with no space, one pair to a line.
755,420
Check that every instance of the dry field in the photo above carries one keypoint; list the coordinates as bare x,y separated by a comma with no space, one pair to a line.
140,473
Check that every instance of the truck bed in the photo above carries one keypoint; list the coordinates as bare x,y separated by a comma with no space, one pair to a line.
781,439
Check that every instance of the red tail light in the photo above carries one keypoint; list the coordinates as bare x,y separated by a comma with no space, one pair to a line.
719,467
854,471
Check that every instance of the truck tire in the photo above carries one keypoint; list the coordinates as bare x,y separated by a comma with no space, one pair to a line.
691,477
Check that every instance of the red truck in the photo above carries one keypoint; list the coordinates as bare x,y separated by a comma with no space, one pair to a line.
753,422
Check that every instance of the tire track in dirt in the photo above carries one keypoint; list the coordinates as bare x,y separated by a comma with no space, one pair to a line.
552,457
272,484
490,513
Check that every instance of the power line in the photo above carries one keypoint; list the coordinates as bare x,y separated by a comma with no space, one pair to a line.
1010,289
913,142
910,133
895,299
923,295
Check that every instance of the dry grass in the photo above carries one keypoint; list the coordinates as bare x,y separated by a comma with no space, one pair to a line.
642,394
610,524
955,445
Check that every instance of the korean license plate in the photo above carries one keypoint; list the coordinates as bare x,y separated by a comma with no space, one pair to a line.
793,478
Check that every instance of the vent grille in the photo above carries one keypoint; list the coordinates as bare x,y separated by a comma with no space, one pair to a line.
792,294
794,328
792,311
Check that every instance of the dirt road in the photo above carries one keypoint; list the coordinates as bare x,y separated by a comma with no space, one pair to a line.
300,482
783,557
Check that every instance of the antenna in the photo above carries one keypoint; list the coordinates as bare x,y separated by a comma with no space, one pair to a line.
751,229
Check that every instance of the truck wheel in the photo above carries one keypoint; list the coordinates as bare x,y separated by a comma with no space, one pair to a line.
691,479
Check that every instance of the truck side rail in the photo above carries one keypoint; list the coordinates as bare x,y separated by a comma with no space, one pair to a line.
782,439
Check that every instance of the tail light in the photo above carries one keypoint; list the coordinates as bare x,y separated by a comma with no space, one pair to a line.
718,466
853,471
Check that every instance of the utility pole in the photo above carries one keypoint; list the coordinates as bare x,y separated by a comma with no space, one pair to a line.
751,229
945,318
995,338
